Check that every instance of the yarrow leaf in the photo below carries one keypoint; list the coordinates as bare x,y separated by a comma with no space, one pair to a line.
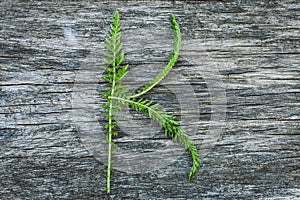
117,96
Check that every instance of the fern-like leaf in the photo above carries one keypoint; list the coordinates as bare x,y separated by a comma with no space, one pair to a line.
173,59
169,123
114,57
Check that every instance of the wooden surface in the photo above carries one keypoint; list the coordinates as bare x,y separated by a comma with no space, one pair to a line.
236,88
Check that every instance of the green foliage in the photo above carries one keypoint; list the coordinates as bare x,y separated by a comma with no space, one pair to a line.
173,58
114,73
116,96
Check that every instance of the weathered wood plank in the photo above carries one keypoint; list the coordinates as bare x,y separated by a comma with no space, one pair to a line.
236,88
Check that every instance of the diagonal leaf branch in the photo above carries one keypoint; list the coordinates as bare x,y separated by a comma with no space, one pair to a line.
173,59
169,123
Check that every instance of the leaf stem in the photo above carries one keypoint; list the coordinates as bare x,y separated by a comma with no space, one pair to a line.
110,113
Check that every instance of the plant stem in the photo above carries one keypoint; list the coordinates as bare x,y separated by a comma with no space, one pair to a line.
109,150
110,121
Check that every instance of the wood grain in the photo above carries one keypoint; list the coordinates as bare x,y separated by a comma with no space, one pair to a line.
236,88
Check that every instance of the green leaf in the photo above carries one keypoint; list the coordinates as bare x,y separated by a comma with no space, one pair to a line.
171,126
173,59
116,95
114,56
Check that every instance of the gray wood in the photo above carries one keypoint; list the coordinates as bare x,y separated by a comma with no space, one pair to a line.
236,88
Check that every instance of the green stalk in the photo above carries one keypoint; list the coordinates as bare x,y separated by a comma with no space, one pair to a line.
114,59
110,122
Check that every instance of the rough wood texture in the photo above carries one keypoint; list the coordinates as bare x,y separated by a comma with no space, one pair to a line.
236,89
